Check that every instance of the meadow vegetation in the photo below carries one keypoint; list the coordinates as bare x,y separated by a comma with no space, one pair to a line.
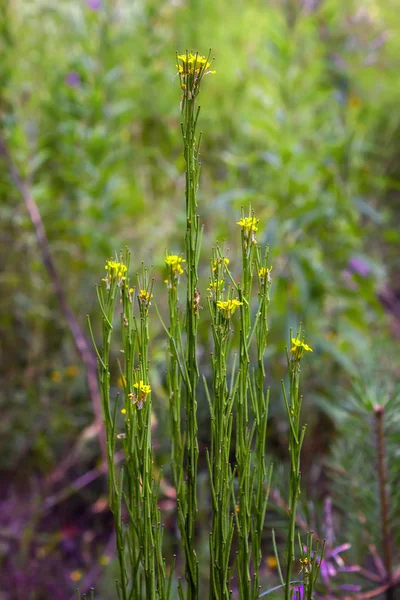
299,154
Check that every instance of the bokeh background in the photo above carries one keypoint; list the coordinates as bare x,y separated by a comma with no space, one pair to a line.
302,121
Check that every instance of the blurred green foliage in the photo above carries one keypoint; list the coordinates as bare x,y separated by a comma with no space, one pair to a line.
301,120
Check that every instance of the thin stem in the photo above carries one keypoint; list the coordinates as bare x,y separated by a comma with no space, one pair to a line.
384,499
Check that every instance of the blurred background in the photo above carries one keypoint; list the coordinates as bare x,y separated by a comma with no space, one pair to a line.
302,121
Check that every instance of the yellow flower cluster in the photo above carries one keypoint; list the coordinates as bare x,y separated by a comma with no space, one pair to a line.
115,271
192,63
265,272
216,286
248,224
218,261
145,297
175,262
299,348
228,307
144,388
142,391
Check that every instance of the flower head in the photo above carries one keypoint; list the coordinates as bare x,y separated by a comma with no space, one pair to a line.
73,79
192,63
248,224
142,391
299,348
265,272
116,272
220,261
216,286
228,307
174,261
145,297
94,4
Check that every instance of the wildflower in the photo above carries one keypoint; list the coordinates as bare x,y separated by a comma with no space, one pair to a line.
249,226
72,371
104,560
174,261
248,223
299,348
358,266
76,575
94,4
73,79
218,261
115,272
305,564
123,411
228,307
216,286
145,297
56,376
142,391
121,382
271,562
193,63
299,593
264,272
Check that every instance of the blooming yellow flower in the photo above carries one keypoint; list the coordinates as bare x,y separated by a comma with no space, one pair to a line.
218,261
115,269
144,388
248,224
175,262
299,348
145,297
228,307
192,63
271,562
216,286
142,391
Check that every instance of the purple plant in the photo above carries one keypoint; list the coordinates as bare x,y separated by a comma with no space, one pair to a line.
73,79
94,4
358,266
298,593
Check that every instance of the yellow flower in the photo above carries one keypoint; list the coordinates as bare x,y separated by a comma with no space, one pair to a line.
121,382
216,286
218,261
265,272
192,63
116,270
72,371
228,307
299,348
145,297
248,224
76,575
175,262
143,389
271,562
123,411
56,376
